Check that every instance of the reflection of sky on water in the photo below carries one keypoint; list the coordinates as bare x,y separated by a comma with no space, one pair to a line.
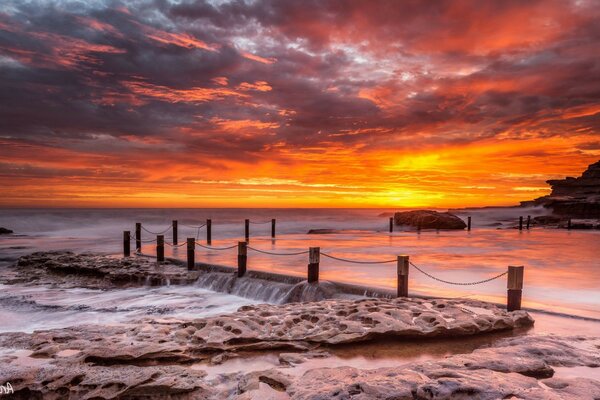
562,268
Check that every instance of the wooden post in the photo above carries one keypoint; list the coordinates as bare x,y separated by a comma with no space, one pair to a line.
208,231
247,230
126,242
160,248
528,221
569,224
175,232
468,223
191,253
273,228
391,224
138,237
242,258
521,223
515,288
314,256
402,270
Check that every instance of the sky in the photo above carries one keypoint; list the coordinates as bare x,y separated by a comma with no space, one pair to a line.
295,103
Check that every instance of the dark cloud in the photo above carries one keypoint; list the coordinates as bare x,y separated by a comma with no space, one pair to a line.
249,77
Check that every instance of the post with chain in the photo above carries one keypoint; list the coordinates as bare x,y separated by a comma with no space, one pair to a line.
160,248
175,232
208,231
247,230
314,256
528,221
402,270
126,242
273,222
138,237
521,223
391,224
191,253
242,258
469,223
515,288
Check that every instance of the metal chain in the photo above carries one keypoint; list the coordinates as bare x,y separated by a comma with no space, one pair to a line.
193,226
216,248
175,245
458,283
156,233
278,254
131,238
355,261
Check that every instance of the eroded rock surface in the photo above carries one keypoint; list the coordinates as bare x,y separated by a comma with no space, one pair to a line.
426,219
514,368
67,269
299,326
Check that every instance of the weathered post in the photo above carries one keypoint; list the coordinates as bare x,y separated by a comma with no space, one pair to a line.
247,230
402,270
242,258
126,241
273,228
138,237
191,253
528,221
391,224
160,248
515,288
175,232
208,231
468,223
314,256
569,224
521,223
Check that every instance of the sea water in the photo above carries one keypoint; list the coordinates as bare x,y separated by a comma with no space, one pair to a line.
562,268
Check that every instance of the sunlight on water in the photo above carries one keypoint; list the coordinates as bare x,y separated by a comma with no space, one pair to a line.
562,268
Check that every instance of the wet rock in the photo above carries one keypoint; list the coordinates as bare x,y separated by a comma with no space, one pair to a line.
68,269
547,220
426,219
296,326
513,368
4,231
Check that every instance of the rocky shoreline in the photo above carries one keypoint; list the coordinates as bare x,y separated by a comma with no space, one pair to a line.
166,358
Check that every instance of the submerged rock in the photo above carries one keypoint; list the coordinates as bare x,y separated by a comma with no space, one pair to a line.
4,231
426,219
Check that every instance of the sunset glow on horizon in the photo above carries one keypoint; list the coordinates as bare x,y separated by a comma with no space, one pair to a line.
295,104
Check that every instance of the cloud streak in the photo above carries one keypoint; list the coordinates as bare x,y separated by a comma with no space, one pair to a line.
296,97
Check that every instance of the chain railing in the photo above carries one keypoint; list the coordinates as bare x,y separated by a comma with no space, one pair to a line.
278,254
357,261
458,283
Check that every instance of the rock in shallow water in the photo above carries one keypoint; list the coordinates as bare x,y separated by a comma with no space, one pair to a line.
4,231
426,219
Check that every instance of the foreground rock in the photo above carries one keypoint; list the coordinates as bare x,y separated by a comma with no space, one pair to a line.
291,326
574,197
515,368
67,269
426,219
519,368
4,231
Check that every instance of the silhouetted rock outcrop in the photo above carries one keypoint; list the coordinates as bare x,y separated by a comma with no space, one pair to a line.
426,219
4,231
574,197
